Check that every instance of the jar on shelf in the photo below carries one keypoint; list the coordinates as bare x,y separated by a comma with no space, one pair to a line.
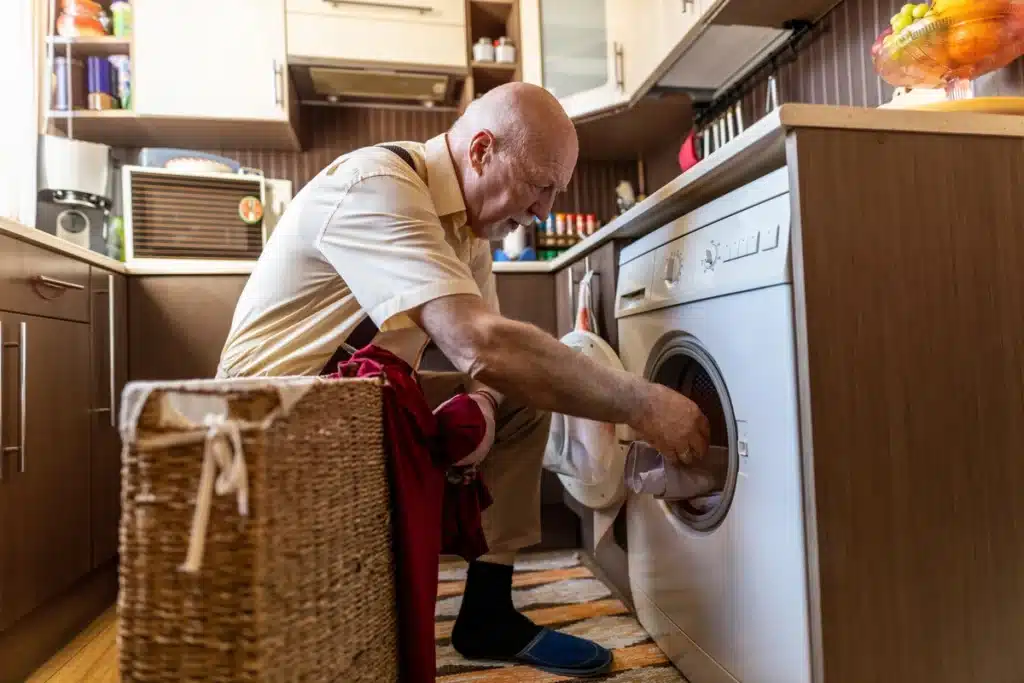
80,18
122,13
505,51
483,50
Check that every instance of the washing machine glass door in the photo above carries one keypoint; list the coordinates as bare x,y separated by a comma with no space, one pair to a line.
588,456
680,362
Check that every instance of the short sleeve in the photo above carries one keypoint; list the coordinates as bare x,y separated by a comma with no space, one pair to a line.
385,240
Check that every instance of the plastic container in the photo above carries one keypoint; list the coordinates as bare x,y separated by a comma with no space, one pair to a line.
483,50
504,51
121,12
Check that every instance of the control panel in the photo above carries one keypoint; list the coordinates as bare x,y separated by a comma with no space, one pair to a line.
743,251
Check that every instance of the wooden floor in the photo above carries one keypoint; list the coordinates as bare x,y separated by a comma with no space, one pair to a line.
89,658
553,589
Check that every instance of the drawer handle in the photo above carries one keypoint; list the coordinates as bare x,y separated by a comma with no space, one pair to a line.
420,9
22,346
59,284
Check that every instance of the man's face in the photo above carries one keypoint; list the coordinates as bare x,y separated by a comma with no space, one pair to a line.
504,191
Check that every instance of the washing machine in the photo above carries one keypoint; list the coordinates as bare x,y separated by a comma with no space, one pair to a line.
705,305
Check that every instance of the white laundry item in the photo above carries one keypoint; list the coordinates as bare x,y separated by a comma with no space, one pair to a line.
649,472
589,457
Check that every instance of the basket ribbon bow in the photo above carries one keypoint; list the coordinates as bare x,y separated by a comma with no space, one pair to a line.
224,472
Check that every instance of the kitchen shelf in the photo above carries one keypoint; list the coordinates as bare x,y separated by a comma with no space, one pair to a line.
490,18
125,128
489,75
100,46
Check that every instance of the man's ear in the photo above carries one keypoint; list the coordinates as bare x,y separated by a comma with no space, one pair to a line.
481,147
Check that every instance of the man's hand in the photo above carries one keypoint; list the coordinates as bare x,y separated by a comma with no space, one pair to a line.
488,407
673,424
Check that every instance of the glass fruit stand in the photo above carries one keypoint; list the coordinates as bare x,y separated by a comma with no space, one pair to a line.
946,44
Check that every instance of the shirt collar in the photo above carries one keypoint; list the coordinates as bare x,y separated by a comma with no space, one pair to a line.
442,179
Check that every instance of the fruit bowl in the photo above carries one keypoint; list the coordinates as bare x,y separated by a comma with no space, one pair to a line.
936,44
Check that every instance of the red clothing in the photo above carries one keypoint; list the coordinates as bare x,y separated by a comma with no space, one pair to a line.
430,514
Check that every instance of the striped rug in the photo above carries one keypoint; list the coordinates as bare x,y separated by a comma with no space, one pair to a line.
555,590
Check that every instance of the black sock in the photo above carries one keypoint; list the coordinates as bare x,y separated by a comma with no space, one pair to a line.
488,626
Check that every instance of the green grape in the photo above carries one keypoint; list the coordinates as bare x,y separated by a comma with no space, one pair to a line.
920,10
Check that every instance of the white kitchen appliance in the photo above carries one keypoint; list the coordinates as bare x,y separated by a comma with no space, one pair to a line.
705,306
172,214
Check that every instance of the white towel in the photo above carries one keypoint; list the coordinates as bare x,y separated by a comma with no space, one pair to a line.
647,471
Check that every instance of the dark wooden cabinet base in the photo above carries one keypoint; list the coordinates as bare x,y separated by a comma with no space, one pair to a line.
30,642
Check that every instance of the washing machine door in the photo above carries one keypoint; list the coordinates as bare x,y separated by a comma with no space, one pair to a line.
680,362
588,456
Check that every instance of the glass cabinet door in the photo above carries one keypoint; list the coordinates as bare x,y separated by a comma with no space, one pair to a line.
580,59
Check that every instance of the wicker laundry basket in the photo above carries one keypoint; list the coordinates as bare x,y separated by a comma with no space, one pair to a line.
255,533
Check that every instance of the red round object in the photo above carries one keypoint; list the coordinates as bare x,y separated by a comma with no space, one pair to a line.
688,152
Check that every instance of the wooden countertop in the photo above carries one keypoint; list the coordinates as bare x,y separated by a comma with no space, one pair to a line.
758,150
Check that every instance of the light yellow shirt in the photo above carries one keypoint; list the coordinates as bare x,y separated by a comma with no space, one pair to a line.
367,235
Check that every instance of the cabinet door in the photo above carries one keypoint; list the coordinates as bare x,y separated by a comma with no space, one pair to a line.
44,507
604,262
652,38
582,55
223,59
109,333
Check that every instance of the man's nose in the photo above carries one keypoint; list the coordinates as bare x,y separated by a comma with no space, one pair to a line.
542,207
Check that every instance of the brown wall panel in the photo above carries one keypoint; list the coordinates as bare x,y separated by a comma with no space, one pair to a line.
328,132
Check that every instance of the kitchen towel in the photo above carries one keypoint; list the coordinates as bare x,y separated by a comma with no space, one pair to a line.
649,472
435,509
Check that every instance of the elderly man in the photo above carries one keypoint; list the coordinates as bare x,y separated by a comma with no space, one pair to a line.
389,243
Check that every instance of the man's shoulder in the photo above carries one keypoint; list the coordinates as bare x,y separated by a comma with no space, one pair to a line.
376,160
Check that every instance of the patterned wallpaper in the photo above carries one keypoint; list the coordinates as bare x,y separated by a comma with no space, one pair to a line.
835,68
328,132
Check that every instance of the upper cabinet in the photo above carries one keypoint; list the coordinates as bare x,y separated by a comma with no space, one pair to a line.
428,33
596,55
222,60
181,73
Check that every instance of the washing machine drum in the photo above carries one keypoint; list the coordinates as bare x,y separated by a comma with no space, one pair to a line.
587,456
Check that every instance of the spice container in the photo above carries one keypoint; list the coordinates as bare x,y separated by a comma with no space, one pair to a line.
101,84
483,50
505,51
122,13
68,84
121,64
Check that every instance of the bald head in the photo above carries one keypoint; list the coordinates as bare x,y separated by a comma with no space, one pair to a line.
514,149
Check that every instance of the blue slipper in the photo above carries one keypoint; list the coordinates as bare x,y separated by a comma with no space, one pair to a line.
565,655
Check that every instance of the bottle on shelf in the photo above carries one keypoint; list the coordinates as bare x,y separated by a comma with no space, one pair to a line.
563,231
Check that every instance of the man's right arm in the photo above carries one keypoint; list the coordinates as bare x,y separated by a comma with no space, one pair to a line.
522,361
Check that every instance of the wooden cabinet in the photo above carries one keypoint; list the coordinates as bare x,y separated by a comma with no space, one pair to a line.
219,60
528,297
177,324
604,261
109,373
401,32
44,496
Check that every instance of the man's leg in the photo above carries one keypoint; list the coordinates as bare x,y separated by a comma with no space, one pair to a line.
488,625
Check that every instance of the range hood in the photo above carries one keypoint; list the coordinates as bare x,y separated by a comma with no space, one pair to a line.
320,84
720,56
